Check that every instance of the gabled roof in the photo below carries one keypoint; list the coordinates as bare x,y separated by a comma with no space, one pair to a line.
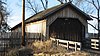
45,13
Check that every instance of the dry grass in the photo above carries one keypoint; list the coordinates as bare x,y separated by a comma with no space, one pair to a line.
49,48
77,53
46,47
42,45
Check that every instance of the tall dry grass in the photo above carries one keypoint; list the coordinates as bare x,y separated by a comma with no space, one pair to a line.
49,48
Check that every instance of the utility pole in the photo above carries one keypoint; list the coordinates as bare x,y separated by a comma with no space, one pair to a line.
98,28
23,23
98,24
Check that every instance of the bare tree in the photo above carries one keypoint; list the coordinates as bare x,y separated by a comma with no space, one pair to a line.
95,7
33,7
36,7
3,17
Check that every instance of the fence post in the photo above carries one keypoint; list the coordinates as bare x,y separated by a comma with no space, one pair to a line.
67,45
75,46
57,42
94,44
80,46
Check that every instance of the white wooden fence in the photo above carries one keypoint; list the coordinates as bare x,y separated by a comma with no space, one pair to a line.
69,44
95,44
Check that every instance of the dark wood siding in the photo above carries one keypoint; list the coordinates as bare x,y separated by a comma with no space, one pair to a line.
67,29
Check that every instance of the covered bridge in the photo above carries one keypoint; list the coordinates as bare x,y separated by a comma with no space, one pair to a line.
64,21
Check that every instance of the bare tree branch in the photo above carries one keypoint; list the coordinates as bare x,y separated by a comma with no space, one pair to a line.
46,5
60,1
94,17
98,3
93,26
31,7
92,3
43,4
35,7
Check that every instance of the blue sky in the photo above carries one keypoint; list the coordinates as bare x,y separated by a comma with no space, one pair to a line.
15,12
14,6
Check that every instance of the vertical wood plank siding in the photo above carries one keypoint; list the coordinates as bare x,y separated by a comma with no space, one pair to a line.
67,12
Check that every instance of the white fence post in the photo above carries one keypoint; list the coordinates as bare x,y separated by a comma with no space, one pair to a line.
67,45
57,42
75,46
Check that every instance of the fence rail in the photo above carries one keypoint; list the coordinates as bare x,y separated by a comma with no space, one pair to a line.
68,44
95,44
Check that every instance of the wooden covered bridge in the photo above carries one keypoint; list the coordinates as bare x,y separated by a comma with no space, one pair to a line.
64,22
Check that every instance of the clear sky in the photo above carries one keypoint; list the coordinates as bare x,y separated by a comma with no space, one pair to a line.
15,12
14,7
